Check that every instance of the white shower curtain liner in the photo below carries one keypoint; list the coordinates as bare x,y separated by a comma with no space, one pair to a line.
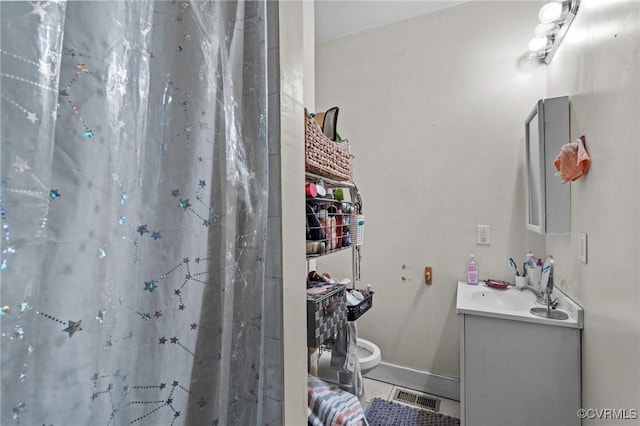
134,210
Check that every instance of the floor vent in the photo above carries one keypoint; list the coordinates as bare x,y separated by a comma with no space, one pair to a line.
418,399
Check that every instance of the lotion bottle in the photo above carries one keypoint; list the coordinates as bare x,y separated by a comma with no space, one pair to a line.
473,271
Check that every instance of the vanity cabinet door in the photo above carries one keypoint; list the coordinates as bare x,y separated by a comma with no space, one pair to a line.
518,373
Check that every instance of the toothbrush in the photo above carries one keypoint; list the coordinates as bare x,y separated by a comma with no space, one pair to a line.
512,263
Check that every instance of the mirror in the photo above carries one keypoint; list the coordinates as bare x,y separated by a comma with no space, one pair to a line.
548,201
534,131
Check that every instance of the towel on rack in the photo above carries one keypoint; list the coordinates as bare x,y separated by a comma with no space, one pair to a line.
344,357
331,406
573,161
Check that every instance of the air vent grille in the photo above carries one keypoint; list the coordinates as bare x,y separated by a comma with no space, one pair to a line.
417,399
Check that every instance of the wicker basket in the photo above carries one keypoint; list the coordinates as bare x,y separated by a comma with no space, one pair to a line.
323,156
356,311
326,315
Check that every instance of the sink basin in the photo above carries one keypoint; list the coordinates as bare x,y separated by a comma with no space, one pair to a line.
515,304
549,313
510,299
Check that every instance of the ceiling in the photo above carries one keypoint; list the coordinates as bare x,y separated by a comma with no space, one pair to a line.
339,18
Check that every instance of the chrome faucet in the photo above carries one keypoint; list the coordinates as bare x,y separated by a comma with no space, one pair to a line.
546,282
539,296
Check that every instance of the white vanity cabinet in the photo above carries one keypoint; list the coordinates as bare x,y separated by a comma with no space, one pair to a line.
516,370
517,373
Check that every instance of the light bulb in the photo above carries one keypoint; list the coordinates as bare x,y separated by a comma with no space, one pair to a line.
537,44
550,12
544,30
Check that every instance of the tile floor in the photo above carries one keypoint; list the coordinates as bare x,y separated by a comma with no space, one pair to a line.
376,389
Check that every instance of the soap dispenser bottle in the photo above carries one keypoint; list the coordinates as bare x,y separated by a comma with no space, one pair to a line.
473,271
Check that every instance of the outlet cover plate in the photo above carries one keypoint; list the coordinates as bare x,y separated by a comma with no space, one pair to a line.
582,247
483,234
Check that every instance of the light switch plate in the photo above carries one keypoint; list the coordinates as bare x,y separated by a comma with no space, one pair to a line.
582,247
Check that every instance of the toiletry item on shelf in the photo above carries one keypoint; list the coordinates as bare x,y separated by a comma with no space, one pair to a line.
531,261
312,247
320,190
339,229
325,224
358,295
329,195
352,300
473,271
313,276
345,281
311,190
328,277
316,230
538,274
534,271
332,235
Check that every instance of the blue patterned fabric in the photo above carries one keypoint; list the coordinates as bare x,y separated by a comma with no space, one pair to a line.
331,406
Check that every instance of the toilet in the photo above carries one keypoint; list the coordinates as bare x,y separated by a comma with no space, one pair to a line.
368,356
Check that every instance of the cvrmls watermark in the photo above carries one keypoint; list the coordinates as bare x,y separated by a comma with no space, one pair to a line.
608,413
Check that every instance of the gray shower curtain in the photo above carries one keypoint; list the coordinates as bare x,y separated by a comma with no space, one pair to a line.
133,210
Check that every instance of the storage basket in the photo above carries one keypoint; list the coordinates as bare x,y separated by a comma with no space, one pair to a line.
355,312
326,315
356,229
323,156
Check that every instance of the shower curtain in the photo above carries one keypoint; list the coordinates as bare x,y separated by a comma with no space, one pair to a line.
133,210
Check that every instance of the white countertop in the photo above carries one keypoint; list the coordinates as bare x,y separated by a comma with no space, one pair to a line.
514,304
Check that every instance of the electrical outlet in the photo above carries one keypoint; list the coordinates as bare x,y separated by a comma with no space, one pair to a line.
427,275
582,247
483,234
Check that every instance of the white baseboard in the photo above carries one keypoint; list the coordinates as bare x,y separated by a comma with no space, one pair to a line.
423,381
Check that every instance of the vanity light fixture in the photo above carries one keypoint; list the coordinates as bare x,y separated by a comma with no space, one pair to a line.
555,18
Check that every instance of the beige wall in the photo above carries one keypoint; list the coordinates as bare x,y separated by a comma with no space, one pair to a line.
434,108
290,164
598,66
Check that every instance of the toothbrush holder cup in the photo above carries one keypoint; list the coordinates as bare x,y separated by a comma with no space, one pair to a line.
521,281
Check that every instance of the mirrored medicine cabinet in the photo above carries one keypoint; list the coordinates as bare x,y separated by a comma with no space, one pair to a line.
548,200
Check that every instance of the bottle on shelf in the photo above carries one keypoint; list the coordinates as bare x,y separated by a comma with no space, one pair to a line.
473,271
532,270
531,262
